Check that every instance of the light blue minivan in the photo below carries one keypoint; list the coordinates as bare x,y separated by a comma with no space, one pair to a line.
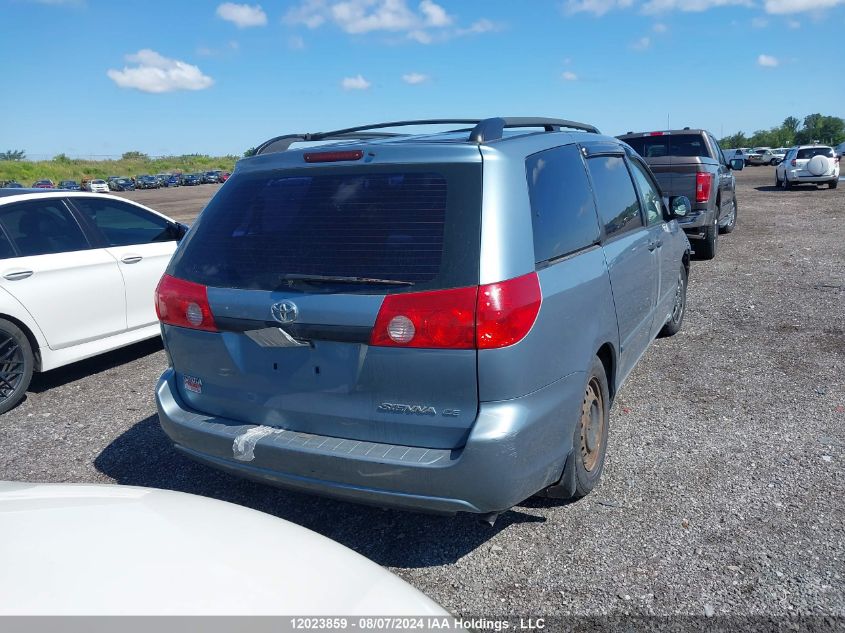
434,321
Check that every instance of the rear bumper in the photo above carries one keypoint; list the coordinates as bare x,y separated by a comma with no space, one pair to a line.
515,449
793,177
695,223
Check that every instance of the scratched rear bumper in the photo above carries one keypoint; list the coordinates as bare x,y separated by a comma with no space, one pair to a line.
515,449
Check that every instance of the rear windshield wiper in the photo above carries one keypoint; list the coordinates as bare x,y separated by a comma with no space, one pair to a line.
332,279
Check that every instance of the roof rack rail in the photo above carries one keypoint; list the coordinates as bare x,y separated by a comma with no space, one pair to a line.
484,130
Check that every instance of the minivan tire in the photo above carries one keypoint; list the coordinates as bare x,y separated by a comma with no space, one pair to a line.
16,365
591,431
679,308
710,243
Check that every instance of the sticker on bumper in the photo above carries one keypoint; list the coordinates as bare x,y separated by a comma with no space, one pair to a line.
192,383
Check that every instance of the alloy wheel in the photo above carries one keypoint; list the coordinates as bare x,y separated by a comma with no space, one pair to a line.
11,366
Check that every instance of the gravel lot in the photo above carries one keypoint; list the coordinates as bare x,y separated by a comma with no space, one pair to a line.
723,491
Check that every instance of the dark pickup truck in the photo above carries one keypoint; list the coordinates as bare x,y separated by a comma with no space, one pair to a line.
690,163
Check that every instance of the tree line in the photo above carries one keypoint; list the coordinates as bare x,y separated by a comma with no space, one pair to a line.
829,130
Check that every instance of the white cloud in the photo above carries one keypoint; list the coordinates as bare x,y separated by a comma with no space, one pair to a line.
426,23
767,61
156,73
479,26
596,7
798,6
660,28
660,6
415,79
569,76
435,15
355,83
642,44
242,15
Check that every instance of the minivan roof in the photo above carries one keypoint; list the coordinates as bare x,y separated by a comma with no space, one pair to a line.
481,131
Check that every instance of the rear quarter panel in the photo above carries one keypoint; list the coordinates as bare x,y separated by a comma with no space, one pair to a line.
576,317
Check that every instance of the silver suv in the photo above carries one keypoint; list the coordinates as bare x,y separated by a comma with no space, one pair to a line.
433,321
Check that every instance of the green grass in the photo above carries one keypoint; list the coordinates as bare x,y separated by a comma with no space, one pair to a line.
27,172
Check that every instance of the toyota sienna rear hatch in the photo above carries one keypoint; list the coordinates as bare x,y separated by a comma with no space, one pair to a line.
270,305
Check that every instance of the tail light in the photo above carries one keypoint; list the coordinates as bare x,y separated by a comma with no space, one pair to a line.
184,303
483,317
703,182
793,162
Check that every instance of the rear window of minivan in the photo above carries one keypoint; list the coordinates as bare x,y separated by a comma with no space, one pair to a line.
411,223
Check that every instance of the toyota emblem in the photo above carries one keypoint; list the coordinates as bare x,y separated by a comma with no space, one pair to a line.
285,311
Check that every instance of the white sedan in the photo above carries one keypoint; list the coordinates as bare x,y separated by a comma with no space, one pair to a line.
77,276
98,186
73,549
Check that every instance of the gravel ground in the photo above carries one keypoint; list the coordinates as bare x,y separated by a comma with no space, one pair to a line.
723,488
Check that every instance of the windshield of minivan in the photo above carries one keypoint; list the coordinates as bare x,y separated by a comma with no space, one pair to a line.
669,145
405,223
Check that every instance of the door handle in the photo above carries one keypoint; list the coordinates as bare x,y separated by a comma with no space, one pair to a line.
131,259
17,275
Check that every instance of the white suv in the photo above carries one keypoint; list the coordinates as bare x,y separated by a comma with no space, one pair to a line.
814,164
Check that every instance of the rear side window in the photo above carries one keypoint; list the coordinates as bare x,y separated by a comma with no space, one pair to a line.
563,213
417,224
619,209
123,224
669,145
6,249
42,227
811,152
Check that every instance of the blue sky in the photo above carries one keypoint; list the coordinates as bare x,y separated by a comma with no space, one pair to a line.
100,77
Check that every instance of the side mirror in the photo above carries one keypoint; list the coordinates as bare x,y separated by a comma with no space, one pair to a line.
178,230
737,164
679,207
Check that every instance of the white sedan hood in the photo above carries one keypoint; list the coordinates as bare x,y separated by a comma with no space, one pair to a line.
71,549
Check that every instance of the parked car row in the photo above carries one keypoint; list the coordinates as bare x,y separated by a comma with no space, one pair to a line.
126,183
176,180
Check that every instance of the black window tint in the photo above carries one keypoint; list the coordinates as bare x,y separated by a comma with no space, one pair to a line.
6,249
414,224
42,227
562,209
618,207
669,145
123,224
811,152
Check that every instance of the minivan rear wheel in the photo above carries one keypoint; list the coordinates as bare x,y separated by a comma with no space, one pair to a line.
679,308
591,430
16,364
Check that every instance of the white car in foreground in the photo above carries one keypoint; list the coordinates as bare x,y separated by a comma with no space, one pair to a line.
74,549
808,164
77,276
